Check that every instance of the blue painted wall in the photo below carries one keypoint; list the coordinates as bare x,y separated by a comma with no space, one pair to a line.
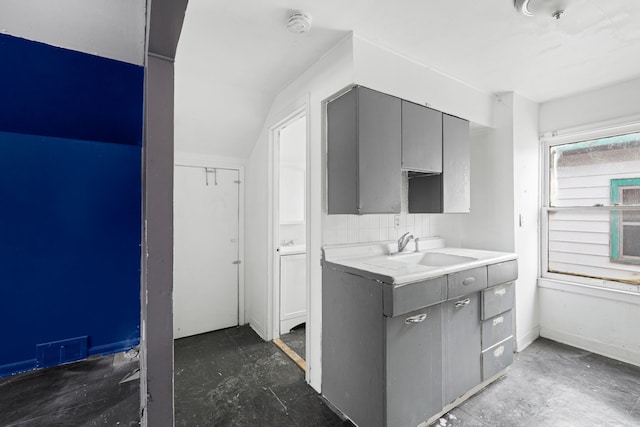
51,91
70,200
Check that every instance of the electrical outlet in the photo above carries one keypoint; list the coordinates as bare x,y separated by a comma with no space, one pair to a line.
396,221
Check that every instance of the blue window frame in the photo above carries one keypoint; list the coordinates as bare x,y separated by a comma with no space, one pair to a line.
625,224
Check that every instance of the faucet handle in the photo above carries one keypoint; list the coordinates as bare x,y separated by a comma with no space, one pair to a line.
415,242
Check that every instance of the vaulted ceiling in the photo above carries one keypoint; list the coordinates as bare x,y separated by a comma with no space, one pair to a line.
234,56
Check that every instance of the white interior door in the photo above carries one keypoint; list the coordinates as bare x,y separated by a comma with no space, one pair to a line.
205,275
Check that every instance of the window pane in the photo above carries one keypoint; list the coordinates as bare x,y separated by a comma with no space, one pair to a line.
580,173
630,196
631,240
631,216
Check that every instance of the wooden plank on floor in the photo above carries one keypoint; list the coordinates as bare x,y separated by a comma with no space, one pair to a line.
291,354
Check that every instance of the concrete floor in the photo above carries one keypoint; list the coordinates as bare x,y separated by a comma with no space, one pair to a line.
86,393
551,384
295,339
233,378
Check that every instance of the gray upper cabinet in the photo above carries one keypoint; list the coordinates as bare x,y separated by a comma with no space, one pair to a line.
421,138
448,192
456,172
364,153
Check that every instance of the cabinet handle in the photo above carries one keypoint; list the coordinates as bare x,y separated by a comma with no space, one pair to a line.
469,281
415,319
462,303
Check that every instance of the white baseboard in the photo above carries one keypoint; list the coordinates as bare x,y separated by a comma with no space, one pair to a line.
593,346
524,341
258,328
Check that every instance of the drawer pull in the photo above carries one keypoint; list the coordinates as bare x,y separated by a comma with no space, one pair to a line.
469,281
462,303
500,292
498,320
498,351
415,319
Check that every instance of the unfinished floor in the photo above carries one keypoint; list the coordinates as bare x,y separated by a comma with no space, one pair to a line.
233,378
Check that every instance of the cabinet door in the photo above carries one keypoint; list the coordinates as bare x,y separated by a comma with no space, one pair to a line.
379,147
421,138
293,291
462,346
342,154
414,366
456,173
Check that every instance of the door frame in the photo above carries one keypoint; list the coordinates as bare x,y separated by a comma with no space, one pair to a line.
212,162
273,288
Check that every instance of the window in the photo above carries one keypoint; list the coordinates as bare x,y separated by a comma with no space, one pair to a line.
592,209
625,226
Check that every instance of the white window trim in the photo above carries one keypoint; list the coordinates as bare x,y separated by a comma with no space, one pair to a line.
567,136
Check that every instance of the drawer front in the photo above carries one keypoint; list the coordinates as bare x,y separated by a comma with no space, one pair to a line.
502,272
497,358
466,282
497,329
497,299
403,299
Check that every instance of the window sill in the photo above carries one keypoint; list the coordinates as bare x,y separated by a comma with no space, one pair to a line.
614,291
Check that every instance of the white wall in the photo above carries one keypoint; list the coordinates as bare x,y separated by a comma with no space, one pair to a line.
504,186
612,103
330,74
595,319
526,184
110,28
388,72
490,223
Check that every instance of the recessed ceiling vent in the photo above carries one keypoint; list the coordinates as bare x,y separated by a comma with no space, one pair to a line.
551,8
299,22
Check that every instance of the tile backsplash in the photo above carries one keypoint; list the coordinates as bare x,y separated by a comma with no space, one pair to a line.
340,229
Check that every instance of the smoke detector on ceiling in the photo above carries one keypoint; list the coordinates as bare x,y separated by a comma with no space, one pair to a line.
299,22
553,8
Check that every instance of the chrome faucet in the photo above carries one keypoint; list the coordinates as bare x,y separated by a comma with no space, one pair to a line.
404,240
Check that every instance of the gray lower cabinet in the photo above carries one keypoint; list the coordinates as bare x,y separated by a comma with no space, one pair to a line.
497,320
364,153
396,356
379,370
462,340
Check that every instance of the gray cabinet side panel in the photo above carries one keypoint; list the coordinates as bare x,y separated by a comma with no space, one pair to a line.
421,138
456,165
462,347
379,147
353,346
342,157
414,367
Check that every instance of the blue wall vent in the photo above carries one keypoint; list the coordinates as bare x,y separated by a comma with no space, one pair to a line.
59,352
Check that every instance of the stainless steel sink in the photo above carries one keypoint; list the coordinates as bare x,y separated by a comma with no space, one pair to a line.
432,259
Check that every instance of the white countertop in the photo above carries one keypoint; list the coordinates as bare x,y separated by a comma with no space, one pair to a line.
374,261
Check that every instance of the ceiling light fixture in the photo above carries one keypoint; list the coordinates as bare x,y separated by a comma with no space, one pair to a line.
299,22
522,6
553,8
